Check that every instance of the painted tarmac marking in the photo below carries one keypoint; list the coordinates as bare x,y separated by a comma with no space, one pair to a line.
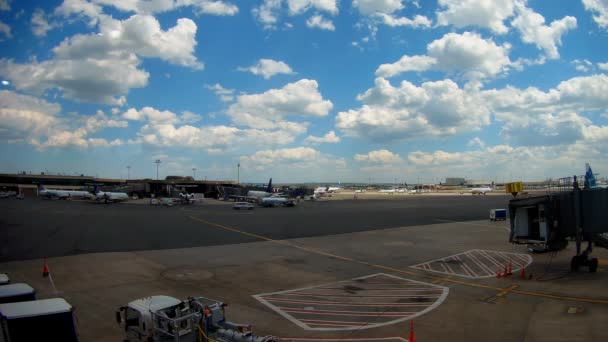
401,271
362,311
476,263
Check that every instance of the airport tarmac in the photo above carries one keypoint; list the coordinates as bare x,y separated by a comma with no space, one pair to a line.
336,270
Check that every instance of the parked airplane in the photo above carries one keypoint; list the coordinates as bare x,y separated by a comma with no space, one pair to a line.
274,201
110,196
62,194
8,194
481,191
388,191
257,195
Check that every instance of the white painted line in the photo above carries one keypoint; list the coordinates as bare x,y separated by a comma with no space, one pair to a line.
349,312
486,258
332,325
473,224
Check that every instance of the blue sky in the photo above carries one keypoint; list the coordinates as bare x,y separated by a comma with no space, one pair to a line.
305,90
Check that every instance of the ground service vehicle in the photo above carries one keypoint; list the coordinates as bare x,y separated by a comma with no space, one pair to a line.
242,205
38,320
164,318
18,292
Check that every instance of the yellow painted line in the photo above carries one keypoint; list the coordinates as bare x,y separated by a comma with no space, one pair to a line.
504,293
436,281
602,262
396,270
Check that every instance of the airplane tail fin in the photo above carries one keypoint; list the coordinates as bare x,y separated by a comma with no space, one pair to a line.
269,188
589,177
95,189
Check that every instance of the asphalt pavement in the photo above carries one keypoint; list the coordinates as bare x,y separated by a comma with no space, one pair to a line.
35,228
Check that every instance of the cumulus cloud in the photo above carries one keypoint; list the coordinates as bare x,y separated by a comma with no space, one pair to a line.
468,54
329,138
5,31
379,157
603,66
533,30
438,108
583,65
268,68
489,14
212,7
368,7
225,95
104,67
40,25
320,22
5,5
476,142
394,21
599,8
28,119
268,12
301,98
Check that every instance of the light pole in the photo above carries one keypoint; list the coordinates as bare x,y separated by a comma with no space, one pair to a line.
128,172
238,173
194,173
157,164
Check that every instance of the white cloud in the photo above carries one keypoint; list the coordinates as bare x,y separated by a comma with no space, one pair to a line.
104,67
599,8
489,14
434,109
583,65
5,5
80,8
269,157
212,7
369,7
190,117
225,95
5,31
329,138
393,21
603,66
35,121
379,156
301,98
533,30
154,116
405,64
268,68
268,12
476,142
318,21
40,26
468,54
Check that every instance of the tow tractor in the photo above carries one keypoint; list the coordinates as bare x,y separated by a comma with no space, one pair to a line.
164,318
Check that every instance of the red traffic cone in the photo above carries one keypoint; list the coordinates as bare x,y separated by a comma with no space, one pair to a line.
498,275
510,272
506,273
522,274
45,269
412,337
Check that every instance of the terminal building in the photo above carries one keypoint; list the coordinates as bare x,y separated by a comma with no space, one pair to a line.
27,184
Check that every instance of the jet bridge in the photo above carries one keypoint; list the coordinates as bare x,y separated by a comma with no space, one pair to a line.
547,222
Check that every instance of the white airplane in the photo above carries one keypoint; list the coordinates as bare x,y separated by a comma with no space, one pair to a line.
8,194
274,201
258,195
62,194
388,191
481,191
110,196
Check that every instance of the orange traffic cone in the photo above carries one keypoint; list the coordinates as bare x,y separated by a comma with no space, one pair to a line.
45,269
412,337
522,274
506,273
498,275
510,268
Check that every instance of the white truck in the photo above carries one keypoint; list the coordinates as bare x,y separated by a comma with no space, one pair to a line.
164,318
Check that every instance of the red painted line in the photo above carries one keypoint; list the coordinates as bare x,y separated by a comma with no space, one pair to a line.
356,296
386,289
337,323
297,301
349,313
